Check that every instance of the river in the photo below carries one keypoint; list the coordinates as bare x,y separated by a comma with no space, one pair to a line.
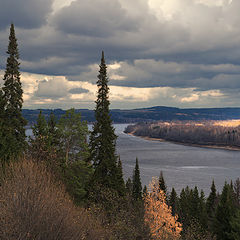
181,165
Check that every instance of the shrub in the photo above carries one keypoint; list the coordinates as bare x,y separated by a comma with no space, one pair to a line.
35,206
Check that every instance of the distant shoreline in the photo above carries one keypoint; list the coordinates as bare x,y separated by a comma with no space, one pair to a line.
229,148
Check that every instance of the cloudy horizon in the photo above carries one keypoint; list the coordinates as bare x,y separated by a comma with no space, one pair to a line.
179,53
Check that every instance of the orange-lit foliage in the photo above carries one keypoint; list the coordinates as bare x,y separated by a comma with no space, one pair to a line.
158,215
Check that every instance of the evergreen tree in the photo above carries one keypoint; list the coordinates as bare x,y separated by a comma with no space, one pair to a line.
76,177
121,184
235,226
14,132
202,211
195,211
129,186
2,104
162,184
224,214
173,202
103,139
1,118
237,190
211,205
211,200
185,207
145,191
137,185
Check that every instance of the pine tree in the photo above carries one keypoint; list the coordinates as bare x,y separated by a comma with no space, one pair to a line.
224,214
1,106
202,210
121,184
2,144
162,184
129,186
195,212
102,138
211,205
137,185
237,190
173,202
14,135
235,226
145,191
211,200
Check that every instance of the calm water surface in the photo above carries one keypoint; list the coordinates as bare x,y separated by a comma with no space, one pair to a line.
181,165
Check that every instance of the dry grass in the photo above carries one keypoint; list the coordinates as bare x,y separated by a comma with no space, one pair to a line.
34,206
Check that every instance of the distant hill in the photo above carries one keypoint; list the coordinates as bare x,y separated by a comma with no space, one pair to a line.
146,114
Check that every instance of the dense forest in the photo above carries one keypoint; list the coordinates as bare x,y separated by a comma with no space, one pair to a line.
58,185
190,132
144,114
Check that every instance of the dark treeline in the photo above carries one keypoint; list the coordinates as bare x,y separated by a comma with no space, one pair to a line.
145,114
58,186
212,217
191,132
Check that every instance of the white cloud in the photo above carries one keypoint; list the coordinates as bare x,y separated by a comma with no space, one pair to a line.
192,98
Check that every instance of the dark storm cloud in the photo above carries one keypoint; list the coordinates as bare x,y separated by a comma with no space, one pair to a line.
151,73
78,90
24,13
96,18
177,43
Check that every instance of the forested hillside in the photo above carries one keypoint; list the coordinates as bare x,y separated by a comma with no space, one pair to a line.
145,114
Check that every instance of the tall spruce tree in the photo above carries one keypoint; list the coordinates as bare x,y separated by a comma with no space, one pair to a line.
137,185
195,213
173,202
14,131
2,144
121,183
224,214
211,205
103,139
1,105
202,211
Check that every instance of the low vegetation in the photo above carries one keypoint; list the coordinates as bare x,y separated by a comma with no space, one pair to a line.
35,206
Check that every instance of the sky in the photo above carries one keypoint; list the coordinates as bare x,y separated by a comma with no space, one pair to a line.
179,53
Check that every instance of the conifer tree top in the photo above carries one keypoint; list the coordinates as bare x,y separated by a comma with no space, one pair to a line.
13,46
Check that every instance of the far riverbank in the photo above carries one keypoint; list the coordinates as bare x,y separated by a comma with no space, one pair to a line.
229,148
